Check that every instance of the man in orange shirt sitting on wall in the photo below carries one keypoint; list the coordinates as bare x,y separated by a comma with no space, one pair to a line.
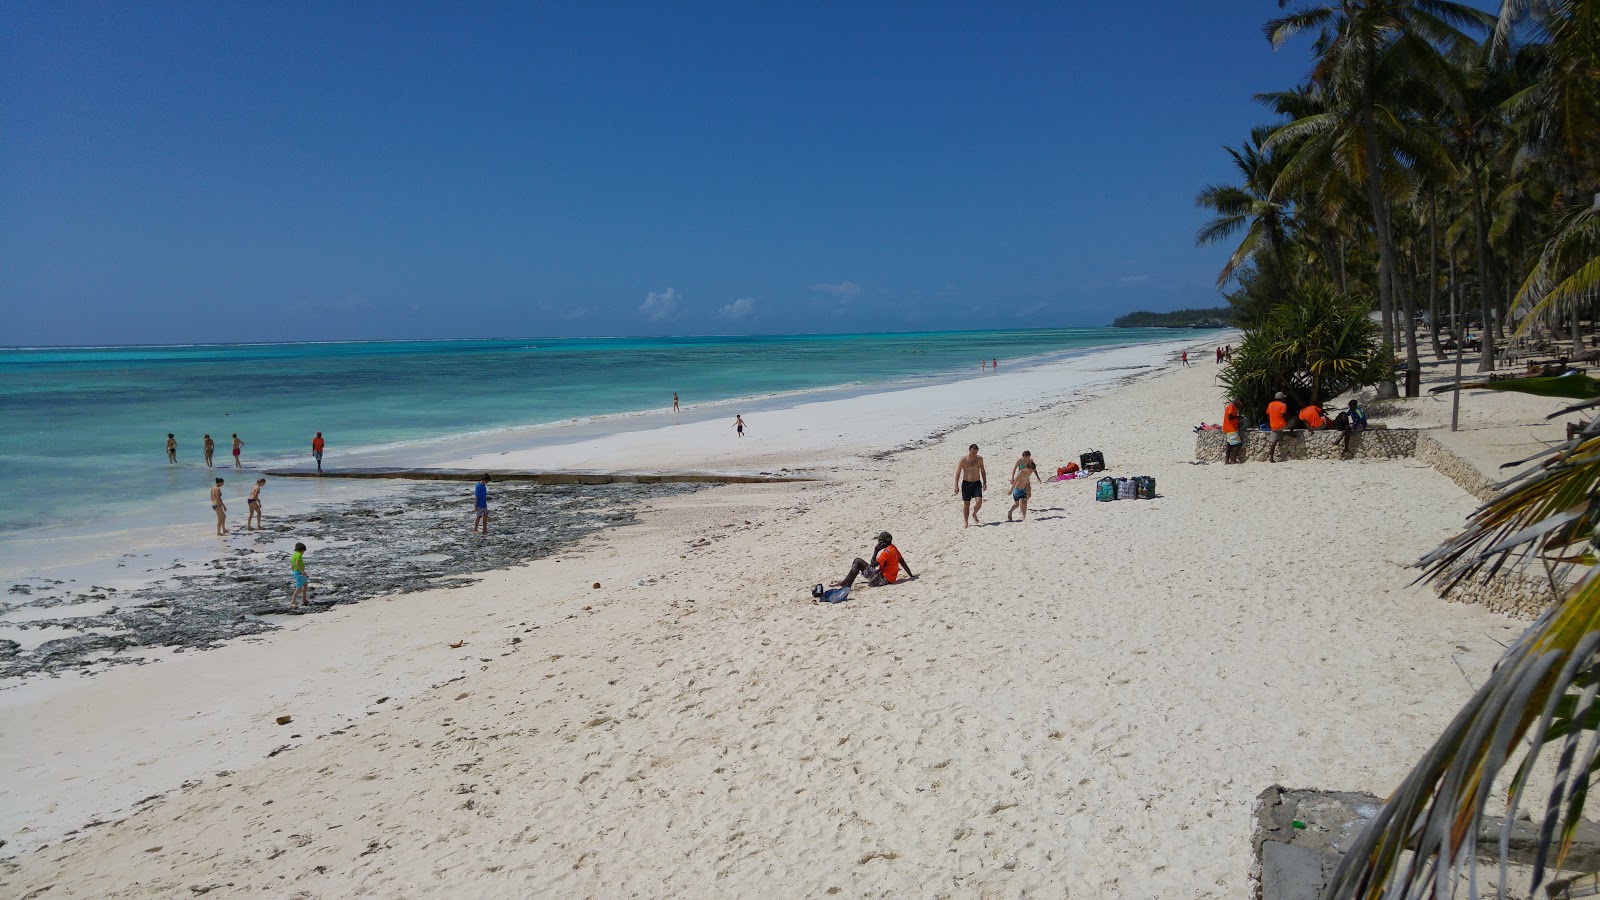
1232,437
884,568
1278,421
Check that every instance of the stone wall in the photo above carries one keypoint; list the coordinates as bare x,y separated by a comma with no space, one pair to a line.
1516,595
1453,467
1374,443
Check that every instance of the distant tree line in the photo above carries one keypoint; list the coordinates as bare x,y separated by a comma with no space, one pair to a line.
1213,317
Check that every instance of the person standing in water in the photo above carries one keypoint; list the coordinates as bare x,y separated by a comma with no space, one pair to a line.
210,448
253,505
971,479
738,425
316,450
172,449
994,365
480,505
219,507
675,401
237,446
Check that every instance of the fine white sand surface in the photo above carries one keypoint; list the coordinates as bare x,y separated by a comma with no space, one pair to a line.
1084,704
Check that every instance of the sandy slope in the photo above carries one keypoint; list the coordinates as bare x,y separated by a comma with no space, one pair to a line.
1084,705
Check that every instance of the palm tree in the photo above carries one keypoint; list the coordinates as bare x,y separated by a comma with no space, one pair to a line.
1249,206
1362,48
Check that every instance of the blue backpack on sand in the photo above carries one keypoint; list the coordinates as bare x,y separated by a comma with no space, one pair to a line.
837,595
1105,489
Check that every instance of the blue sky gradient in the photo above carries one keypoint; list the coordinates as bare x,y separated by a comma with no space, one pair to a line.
234,172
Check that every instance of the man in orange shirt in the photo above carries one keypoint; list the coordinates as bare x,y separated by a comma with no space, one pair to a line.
317,443
885,567
1234,439
1314,419
1278,421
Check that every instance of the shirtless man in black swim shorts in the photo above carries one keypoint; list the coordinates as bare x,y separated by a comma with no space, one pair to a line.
971,479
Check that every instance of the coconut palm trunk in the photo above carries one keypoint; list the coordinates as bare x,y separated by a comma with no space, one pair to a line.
1388,266
1486,282
1433,277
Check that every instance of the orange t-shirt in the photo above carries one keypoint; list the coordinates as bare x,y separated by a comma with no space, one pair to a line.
1230,418
316,445
1312,416
1278,415
889,563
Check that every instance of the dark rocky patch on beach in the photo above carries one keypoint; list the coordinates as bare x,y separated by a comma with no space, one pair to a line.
415,541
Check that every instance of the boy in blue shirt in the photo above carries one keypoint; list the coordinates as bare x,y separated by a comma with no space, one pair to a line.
480,504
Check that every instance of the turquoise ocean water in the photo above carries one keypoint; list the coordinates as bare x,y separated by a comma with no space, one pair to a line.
84,429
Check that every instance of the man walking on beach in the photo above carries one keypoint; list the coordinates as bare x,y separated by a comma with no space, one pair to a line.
210,448
738,425
1184,358
220,508
316,450
1021,489
971,479
172,449
237,446
480,505
1278,421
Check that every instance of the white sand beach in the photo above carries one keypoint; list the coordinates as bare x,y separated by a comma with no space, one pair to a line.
1082,705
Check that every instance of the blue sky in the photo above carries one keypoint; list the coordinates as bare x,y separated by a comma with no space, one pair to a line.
284,171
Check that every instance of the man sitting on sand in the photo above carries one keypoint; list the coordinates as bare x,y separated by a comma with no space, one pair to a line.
971,480
1020,486
884,568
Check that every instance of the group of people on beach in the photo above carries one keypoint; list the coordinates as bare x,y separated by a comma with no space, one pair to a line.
208,447
972,479
1310,418
883,565
252,519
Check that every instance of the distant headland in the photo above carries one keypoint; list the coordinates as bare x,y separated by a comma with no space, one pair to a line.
1214,317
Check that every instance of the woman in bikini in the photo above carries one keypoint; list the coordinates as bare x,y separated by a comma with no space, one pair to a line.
255,505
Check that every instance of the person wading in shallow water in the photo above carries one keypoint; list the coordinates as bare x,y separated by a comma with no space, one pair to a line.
971,480
317,443
210,448
172,449
238,445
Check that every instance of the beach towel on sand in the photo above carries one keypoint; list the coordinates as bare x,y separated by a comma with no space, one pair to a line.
837,595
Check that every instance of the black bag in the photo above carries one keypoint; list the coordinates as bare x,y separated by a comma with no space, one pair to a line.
1093,461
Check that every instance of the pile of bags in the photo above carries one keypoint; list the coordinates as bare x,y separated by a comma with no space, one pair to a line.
1139,487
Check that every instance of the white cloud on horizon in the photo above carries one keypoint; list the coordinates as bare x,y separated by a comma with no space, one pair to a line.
742,308
843,290
659,307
